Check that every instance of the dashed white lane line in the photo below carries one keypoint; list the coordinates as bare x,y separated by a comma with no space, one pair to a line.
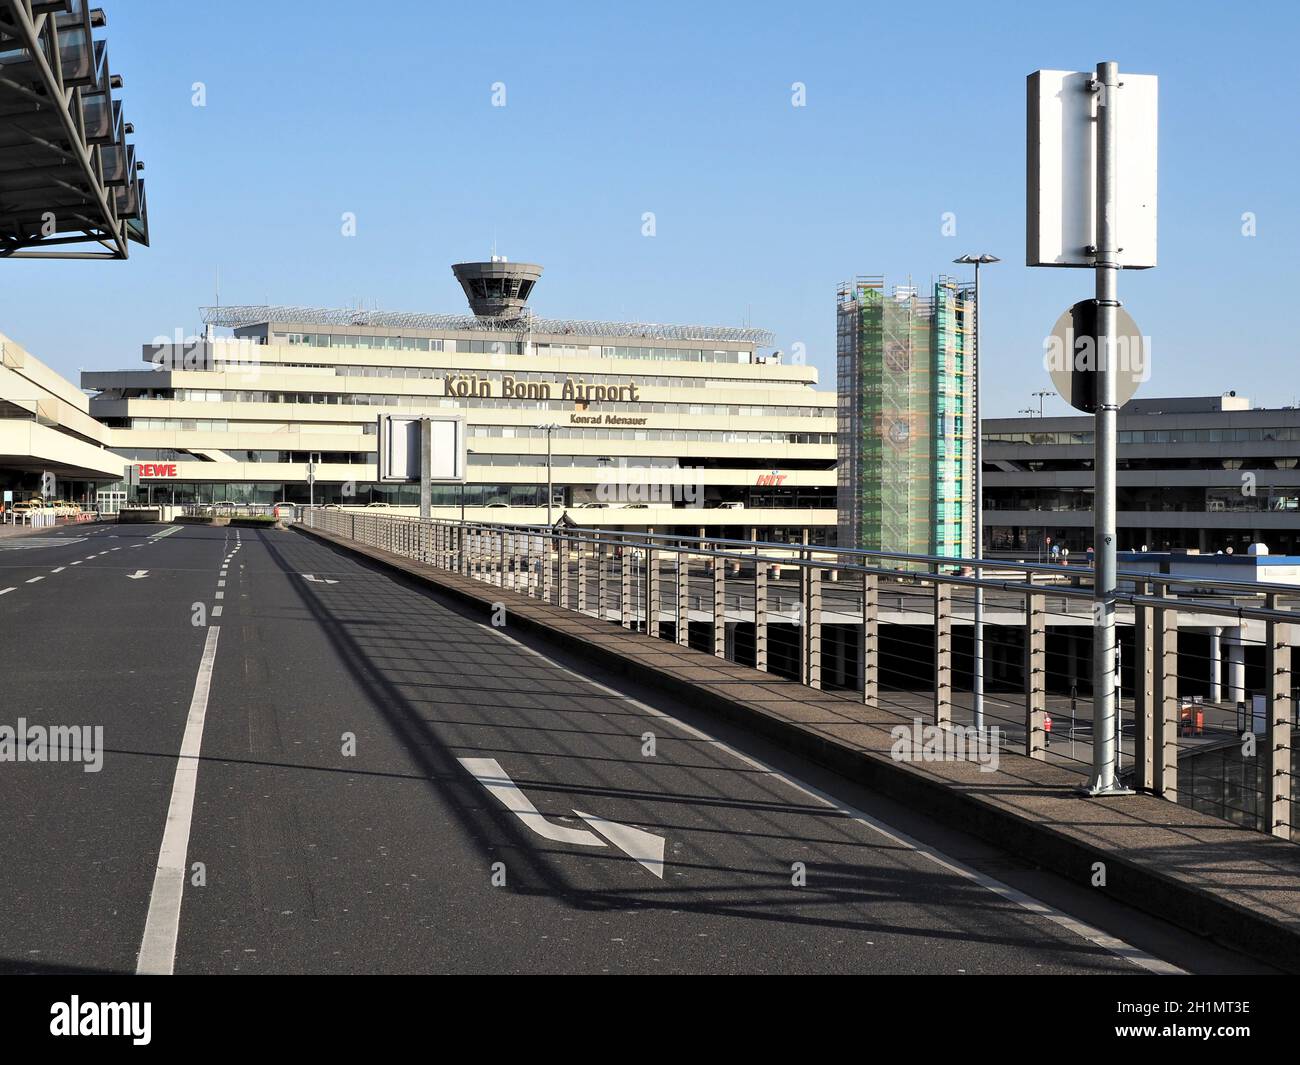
220,595
216,611
77,563
58,569
5,591
158,947
1092,934
221,584
33,580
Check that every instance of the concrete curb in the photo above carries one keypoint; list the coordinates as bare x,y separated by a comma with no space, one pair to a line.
1144,886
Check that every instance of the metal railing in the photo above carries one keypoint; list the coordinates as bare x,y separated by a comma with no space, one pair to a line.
892,630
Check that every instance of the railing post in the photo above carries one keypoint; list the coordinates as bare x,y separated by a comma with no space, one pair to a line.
811,586
501,558
562,560
1165,689
1035,675
719,607
1146,704
942,652
683,596
760,615
1277,751
625,591
652,586
602,592
869,638
582,576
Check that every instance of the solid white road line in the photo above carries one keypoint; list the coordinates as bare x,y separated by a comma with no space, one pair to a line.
158,947
1080,928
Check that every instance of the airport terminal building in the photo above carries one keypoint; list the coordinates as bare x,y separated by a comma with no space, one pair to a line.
693,429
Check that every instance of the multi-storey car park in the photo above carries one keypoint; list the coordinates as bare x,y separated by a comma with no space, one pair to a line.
1203,473
689,429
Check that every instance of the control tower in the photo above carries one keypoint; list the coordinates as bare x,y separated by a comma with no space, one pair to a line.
499,288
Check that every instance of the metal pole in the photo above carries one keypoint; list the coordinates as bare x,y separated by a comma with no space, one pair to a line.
1103,780
550,491
977,676
426,469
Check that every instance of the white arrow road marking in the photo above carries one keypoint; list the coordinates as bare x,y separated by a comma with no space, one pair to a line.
645,847
137,575
319,580
488,772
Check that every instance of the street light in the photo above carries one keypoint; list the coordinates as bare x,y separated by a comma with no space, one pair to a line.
977,460
1041,396
550,491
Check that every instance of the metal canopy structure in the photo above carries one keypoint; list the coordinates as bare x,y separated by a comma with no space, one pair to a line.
67,174
237,317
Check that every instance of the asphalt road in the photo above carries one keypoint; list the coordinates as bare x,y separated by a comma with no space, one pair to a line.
388,785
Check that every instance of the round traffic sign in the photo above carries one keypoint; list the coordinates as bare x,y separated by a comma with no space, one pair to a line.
1073,356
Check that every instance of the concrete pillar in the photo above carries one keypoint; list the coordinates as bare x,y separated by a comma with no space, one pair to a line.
1236,666
1216,664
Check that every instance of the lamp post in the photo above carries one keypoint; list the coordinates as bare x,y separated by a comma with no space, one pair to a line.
977,462
1041,396
550,491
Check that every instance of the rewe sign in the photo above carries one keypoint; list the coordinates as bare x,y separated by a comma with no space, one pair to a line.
156,469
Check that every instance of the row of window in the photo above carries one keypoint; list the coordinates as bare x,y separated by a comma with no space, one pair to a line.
222,425
473,495
214,395
1154,436
512,347
1247,498
724,436
339,340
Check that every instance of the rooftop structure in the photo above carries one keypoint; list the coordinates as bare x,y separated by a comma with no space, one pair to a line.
246,315
498,288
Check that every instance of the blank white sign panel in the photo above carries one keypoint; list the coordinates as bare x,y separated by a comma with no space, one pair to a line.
399,449
1061,185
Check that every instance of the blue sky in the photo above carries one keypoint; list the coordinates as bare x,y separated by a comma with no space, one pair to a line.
683,110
